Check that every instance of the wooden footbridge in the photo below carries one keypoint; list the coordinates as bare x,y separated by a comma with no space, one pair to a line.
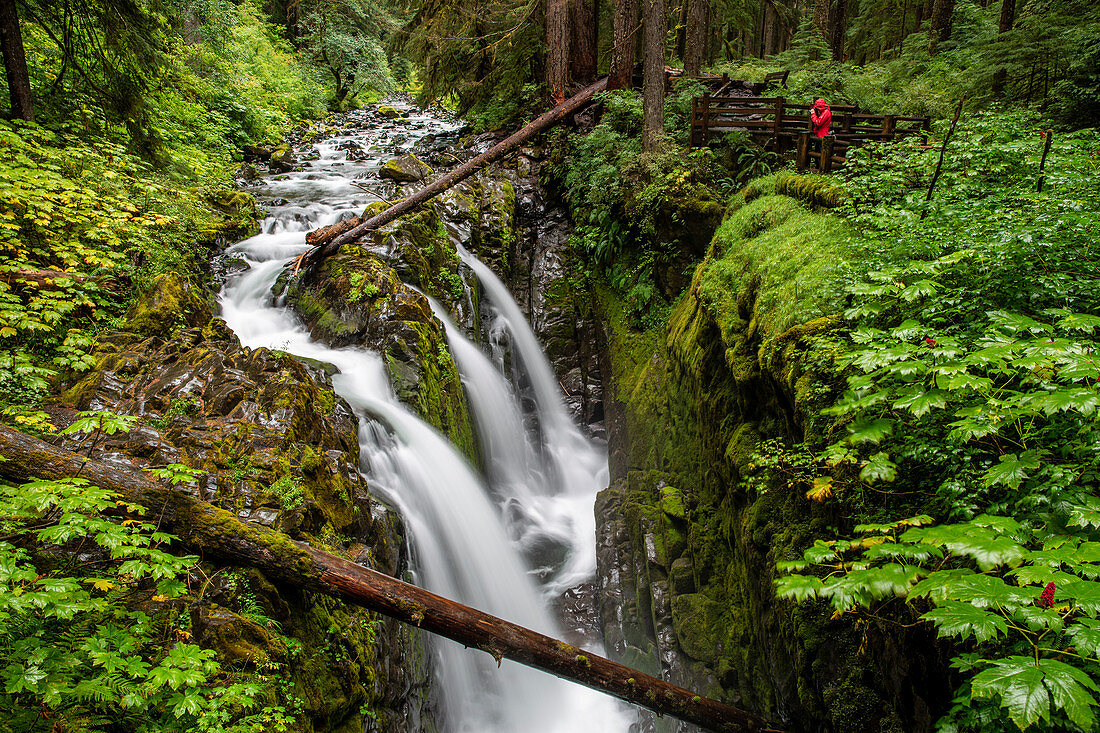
784,127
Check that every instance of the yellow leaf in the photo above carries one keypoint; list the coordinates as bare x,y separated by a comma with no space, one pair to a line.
822,489
160,599
103,584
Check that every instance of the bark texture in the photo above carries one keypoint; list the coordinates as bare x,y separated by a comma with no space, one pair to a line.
695,47
584,40
653,74
624,30
217,532
1008,18
557,48
940,29
15,63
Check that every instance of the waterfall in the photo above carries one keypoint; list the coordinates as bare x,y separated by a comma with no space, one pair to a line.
459,542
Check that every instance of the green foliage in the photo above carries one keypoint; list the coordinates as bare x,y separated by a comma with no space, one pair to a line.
73,219
344,37
485,59
973,374
792,260
289,492
983,579
182,86
88,632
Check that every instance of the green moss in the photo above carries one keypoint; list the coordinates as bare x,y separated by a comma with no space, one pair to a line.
170,303
775,264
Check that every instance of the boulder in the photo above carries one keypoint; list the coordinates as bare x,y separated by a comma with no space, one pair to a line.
406,169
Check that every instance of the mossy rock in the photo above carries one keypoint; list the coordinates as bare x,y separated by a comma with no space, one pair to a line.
695,619
171,303
390,113
814,191
406,169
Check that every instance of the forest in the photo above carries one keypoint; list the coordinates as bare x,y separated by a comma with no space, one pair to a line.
803,427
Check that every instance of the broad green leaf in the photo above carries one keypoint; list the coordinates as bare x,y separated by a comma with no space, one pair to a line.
953,618
1080,399
1011,471
1069,687
878,467
1085,633
1086,595
921,402
869,431
798,587
1019,684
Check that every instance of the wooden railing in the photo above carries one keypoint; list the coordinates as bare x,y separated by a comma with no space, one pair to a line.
784,126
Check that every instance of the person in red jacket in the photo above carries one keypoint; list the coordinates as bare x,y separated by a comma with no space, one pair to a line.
821,117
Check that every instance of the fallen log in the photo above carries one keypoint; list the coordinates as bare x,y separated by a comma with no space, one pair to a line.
217,533
438,186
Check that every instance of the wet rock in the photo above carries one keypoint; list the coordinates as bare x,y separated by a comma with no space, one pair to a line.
272,443
406,169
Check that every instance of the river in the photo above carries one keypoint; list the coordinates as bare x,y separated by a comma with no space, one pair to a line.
473,538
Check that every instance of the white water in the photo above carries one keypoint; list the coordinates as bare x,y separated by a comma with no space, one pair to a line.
460,545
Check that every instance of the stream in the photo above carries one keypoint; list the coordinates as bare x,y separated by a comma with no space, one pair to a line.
509,542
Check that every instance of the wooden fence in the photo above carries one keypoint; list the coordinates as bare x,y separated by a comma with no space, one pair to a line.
783,126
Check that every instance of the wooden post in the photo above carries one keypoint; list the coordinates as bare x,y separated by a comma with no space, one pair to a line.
706,119
779,104
889,123
1049,135
803,157
694,121
943,150
827,153
846,124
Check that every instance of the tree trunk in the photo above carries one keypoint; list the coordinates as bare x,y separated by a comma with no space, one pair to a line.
624,29
940,29
585,40
681,30
768,40
821,17
1008,17
838,25
653,74
698,17
217,533
327,240
557,48
15,63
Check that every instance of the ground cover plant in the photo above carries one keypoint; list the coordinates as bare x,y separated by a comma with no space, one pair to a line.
966,450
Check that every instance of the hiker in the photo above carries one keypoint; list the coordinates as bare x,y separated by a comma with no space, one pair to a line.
821,117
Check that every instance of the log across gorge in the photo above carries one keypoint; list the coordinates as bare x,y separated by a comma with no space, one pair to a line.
218,534
327,241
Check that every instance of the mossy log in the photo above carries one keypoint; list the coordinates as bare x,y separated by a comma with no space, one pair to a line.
219,533
438,186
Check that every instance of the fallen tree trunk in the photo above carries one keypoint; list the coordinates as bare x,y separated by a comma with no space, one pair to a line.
327,245
219,533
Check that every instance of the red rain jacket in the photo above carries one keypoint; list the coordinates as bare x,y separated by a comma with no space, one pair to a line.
821,117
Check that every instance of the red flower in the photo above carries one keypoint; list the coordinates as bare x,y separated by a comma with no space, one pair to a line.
1047,599
930,341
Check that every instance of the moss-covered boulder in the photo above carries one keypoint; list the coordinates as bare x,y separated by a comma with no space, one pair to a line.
170,304
358,298
387,111
406,169
270,441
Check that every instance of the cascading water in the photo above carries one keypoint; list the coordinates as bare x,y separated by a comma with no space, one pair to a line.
460,547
